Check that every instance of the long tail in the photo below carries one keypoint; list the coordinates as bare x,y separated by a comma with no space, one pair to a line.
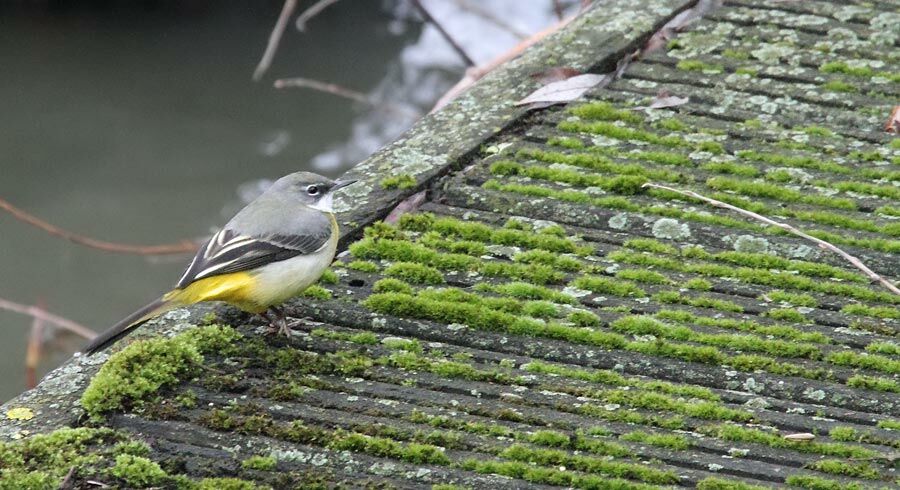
129,323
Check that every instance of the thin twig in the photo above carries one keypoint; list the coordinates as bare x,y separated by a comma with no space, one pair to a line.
311,12
171,248
491,17
33,353
67,483
456,47
36,312
784,226
274,39
326,87
340,91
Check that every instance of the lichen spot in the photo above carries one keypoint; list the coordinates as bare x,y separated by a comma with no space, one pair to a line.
751,244
671,229
19,413
817,395
619,221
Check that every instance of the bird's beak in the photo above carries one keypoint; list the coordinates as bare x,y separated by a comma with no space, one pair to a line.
342,183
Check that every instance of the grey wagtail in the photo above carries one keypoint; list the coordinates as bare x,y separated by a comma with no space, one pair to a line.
271,250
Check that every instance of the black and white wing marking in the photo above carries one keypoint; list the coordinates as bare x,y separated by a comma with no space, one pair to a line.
228,251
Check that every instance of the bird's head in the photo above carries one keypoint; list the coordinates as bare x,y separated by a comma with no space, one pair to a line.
310,189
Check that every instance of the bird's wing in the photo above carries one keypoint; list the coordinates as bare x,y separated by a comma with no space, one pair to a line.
228,251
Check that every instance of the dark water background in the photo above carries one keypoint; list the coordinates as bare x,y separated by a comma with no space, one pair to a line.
138,122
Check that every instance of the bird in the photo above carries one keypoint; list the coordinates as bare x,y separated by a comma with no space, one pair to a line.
272,249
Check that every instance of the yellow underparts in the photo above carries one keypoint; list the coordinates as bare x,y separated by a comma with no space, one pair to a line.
236,288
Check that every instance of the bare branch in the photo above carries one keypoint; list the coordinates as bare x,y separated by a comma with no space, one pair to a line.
36,312
311,12
326,87
172,248
491,17
340,91
274,39
784,226
456,47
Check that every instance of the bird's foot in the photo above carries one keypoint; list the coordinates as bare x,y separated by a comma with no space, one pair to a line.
277,322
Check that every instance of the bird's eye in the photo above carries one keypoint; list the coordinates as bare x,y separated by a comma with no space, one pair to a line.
312,190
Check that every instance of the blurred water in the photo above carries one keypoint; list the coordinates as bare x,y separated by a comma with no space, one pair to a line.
143,126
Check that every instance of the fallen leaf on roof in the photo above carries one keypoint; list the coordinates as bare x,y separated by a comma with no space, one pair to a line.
801,437
555,74
893,123
564,90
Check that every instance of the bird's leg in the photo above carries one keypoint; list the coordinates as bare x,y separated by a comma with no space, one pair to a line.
278,321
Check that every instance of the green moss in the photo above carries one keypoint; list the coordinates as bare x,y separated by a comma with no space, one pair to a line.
814,130
483,318
550,438
398,182
329,277
672,124
650,245
698,284
731,432
316,292
603,285
713,147
731,168
865,360
605,111
382,230
622,133
662,158
642,275
551,259
613,378
772,191
839,86
787,315
677,442
549,476
747,70
842,67
889,348
415,273
873,383
143,367
389,284
735,54
873,311
524,290
715,483
782,331
584,319
674,297
557,458
817,483
845,468
889,424
138,471
781,160
697,65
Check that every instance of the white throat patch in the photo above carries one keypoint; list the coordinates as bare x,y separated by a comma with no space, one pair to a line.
325,204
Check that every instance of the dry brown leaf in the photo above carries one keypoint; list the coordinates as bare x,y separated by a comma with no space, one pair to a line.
564,90
555,74
893,123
